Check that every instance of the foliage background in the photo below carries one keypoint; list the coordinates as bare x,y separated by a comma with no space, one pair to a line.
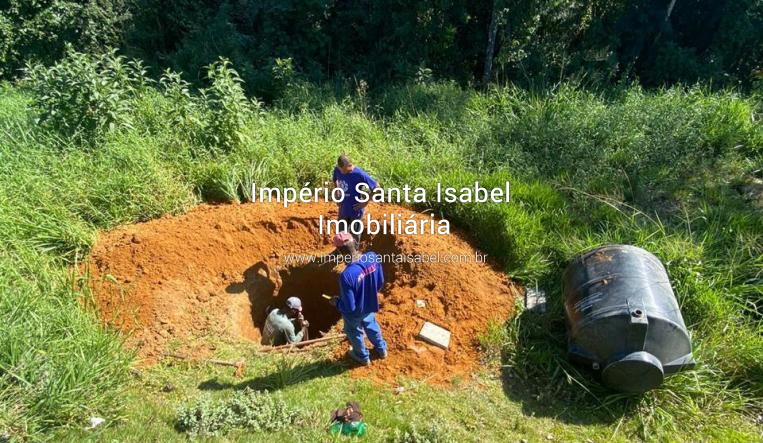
539,43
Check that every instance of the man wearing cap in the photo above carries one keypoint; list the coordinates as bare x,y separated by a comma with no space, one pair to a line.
347,176
358,300
279,325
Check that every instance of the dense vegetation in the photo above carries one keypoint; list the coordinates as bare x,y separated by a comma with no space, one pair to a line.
533,43
93,142
584,106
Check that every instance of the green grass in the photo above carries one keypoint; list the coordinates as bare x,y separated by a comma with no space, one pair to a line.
656,169
471,410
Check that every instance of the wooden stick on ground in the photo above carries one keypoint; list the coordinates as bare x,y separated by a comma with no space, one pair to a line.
304,343
240,365
295,350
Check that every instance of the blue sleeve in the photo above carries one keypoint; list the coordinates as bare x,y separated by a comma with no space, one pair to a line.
369,181
335,175
379,273
346,303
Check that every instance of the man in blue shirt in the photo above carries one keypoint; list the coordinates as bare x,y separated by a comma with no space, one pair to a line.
358,300
347,176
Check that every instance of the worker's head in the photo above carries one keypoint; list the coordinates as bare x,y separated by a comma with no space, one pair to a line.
294,304
344,164
345,244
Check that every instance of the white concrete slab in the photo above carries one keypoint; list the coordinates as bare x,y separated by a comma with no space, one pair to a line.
435,335
535,300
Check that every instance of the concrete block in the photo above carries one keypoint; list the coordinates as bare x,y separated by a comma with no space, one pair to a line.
435,335
535,300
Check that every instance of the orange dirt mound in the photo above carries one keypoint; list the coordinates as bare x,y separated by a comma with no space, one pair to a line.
213,272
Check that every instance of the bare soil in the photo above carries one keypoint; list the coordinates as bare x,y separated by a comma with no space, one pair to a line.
213,272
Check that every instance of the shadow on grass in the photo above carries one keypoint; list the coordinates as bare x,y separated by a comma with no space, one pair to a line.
287,372
536,374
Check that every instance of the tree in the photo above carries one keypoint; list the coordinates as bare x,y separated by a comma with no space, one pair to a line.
33,30
490,50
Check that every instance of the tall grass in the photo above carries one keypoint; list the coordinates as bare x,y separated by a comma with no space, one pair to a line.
57,364
654,169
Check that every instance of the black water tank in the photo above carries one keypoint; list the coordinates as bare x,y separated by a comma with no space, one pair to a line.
623,318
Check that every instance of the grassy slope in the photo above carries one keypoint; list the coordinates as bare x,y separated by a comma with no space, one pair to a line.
585,170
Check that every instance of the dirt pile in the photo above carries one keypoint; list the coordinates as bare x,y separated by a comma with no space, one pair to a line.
214,271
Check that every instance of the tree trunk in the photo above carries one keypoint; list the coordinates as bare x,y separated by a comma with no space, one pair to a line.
670,9
664,24
490,50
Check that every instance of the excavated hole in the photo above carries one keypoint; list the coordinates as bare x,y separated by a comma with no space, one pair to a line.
308,282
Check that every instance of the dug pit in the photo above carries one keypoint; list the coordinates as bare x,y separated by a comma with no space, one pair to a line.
268,288
185,282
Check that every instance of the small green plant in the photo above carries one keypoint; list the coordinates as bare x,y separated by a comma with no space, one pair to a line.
493,341
206,417
423,75
260,411
248,409
185,109
283,73
435,433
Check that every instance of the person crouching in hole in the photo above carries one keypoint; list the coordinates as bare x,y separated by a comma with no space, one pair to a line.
358,299
279,325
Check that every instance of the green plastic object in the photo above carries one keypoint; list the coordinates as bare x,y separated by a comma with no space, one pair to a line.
354,428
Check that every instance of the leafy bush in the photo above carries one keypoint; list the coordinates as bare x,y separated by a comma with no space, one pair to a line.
85,97
185,111
260,411
251,410
227,107
206,417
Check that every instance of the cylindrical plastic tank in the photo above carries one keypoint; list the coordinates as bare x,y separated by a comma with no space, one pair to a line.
623,318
